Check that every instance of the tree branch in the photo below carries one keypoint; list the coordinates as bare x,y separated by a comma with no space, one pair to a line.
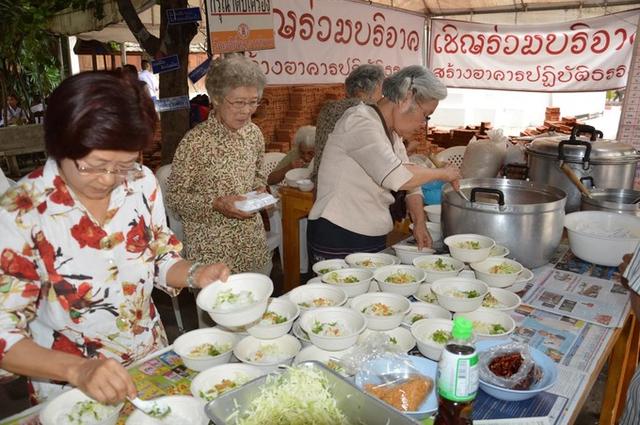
149,42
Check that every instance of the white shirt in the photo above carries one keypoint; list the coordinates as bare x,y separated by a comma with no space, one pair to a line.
150,80
12,115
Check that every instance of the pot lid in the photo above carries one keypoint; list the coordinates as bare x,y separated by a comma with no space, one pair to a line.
607,150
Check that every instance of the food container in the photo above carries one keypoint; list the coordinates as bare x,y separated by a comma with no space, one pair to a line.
526,217
185,410
408,251
433,213
328,358
326,266
485,271
421,311
428,264
422,331
255,201
399,337
357,406
342,279
393,309
501,300
292,176
392,273
622,201
602,238
282,307
315,295
62,405
499,251
484,321
371,261
267,354
184,344
610,164
469,254
238,373
445,289
350,322
425,294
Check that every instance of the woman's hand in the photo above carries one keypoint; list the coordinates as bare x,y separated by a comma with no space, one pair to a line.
451,174
298,163
422,237
104,380
210,273
225,205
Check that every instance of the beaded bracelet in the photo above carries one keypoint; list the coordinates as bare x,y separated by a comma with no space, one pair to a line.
190,274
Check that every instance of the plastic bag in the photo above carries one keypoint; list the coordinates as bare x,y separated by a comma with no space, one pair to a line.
484,158
384,373
509,366
515,154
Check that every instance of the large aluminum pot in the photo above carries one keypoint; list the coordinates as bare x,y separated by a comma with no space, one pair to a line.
526,217
610,165
622,201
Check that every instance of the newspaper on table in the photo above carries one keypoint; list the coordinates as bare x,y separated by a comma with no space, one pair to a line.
595,300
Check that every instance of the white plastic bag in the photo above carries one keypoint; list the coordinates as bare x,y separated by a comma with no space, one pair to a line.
484,158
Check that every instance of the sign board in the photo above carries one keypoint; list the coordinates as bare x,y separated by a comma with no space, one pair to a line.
585,55
199,71
323,41
166,64
172,103
184,16
238,26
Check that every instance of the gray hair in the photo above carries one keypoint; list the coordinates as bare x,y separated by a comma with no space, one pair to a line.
425,85
363,80
305,136
230,73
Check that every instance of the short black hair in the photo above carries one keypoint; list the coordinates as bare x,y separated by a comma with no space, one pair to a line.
98,110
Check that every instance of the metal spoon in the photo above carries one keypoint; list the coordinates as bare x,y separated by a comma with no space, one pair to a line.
153,408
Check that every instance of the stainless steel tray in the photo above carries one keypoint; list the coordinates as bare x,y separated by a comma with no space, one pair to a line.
358,407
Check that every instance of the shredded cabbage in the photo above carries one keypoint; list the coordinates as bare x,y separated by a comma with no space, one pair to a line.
300,396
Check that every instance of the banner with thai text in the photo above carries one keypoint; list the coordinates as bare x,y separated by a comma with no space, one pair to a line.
584,55
322,41
240,25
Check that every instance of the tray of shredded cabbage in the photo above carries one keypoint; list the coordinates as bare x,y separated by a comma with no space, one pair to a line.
309,393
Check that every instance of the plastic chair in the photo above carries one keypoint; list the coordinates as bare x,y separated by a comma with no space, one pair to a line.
452,155
174,223
271,159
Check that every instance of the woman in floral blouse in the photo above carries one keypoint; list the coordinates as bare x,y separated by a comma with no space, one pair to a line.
84,240
215,164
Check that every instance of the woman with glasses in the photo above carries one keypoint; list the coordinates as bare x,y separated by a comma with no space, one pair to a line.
364,161
84,241
216,163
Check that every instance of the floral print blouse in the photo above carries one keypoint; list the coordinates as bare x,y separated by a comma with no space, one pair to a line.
74,285
211,161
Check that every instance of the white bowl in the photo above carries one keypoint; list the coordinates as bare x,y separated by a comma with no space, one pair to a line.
389,272
602,238
185,410
363,276
424,294
499,251
55,412
486,318
294,175
423,331
305,185
397,305
366,260
267,354
328,358
238,373
443,289
314,295
420,310
435,230
351,322
299,333
281,306
507,301
433,212
469,255
408,252
484,272
184,344
523,278
399,337
258,284
427,263
326,266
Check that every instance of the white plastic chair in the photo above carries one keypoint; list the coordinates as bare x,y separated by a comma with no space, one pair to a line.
174,223
271,159
452,155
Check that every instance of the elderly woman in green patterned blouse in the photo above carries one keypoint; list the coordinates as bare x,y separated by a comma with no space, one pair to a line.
215,164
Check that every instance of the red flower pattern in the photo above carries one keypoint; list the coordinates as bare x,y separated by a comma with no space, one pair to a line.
87,233
139,236
64,344
61,193
48,255
30,291
38,172
18,266
3,345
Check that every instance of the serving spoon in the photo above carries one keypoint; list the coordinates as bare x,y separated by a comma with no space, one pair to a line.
153,408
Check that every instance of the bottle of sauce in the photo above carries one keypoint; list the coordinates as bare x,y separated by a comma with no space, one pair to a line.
458,377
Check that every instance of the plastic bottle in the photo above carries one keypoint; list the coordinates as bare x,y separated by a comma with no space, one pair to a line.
457,376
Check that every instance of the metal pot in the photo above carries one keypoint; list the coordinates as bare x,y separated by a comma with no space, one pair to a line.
612,200
526,217
611,165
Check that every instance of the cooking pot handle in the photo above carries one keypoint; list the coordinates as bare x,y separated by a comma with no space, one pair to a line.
588,179
490,191
584,128
574,142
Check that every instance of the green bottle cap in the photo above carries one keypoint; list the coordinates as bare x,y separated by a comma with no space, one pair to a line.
462,328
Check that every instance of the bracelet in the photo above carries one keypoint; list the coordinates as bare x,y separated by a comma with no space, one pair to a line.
191,273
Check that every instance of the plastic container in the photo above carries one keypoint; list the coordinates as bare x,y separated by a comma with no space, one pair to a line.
255,201
432,192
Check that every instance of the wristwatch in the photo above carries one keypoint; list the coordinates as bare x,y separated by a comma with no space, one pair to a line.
191,283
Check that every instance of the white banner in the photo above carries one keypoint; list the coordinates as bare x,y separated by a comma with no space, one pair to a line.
586,55
322,41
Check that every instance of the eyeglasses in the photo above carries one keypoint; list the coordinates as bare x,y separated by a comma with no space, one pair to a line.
130,172
238,105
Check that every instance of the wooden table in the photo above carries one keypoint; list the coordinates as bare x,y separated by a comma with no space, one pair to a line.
295,205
